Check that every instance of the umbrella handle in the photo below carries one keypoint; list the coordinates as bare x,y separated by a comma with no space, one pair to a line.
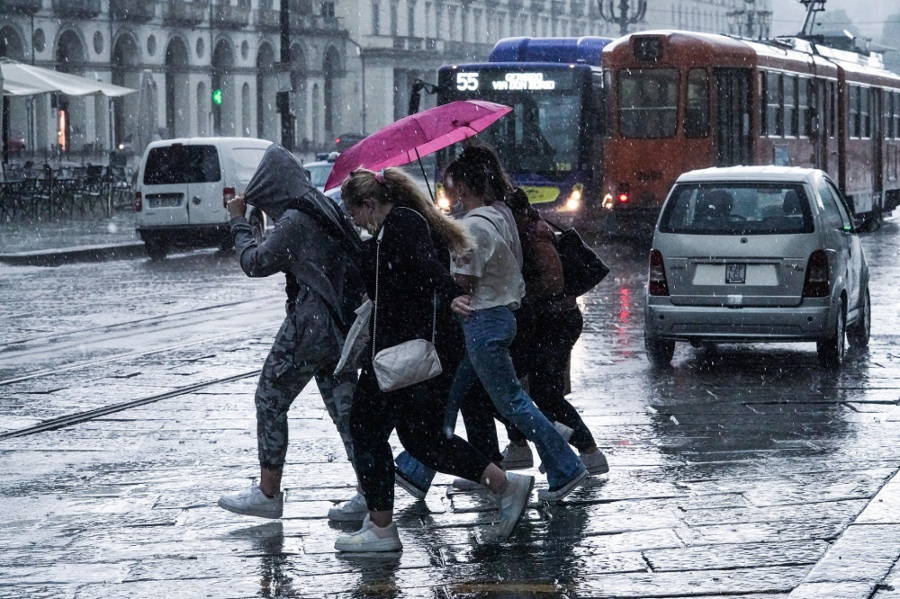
427,184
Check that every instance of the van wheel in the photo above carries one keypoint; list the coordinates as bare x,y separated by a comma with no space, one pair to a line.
659,352
858,334
831,351
256,224
156,247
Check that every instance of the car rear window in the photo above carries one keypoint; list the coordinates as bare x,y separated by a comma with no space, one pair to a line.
318,173
737,209
169,165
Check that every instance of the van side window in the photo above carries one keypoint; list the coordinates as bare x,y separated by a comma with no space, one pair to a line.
836,215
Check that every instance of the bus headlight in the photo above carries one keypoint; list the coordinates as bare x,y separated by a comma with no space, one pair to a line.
573,202
443,201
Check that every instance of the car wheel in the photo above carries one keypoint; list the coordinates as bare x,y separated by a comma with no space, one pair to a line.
156,247
659,352
858,334
831,350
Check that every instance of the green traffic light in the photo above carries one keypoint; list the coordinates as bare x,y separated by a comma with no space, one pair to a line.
217,97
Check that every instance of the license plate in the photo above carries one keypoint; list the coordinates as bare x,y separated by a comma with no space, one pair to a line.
165,202
735,274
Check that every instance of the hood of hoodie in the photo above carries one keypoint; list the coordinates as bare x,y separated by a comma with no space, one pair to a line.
281,183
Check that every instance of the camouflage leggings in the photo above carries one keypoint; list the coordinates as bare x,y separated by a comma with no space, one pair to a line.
275,394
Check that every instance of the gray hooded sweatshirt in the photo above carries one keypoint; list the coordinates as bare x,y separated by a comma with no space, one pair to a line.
314,244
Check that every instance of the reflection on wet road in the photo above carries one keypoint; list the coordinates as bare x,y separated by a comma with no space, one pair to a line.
732,472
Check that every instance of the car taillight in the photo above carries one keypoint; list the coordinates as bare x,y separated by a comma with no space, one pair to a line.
138,201
227,195
623,198
658,283
816,284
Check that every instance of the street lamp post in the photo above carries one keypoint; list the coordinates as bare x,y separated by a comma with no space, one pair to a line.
625,16
362,63
283,96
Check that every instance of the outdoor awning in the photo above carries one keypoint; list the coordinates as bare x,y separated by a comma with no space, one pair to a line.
26,80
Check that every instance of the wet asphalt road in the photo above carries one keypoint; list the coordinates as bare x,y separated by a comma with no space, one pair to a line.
747,471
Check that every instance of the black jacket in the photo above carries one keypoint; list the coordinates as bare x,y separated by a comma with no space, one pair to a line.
414,265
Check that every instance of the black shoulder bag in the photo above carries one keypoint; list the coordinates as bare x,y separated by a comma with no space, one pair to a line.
582,267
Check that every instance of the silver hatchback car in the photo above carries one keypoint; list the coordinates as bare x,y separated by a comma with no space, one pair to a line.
749,254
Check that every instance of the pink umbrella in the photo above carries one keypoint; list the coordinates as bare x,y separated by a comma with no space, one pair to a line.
415,136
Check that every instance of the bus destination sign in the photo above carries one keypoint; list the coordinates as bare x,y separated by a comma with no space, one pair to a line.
515,81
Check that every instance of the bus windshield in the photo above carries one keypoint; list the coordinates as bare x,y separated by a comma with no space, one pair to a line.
542,133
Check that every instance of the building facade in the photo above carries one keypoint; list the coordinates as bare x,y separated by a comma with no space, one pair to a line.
212,67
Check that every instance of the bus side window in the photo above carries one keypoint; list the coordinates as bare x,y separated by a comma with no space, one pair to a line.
696,115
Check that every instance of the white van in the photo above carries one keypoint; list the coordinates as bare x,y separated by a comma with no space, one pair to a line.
182,188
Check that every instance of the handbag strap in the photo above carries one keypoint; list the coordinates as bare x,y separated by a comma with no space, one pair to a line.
377,278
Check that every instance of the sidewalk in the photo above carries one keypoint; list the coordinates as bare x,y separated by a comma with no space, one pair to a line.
54,243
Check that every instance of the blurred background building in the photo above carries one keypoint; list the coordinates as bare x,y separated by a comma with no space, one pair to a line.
212,67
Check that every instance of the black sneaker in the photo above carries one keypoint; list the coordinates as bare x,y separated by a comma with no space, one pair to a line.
558,493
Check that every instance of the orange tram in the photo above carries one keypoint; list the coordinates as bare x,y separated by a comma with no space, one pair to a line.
679,101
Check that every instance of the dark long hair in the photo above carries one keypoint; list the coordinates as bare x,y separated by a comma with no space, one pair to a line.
481,171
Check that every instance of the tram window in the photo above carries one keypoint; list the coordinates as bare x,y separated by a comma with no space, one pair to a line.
790,106
897,115
696,114
763,123
803,96
854,112
774,106
865,116
648,102
833,109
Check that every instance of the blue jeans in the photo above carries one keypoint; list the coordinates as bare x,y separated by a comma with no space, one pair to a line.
488,336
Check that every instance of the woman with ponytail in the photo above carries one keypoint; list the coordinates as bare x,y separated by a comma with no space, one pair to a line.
410,248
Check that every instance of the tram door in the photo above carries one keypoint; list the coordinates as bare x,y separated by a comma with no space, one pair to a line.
732,116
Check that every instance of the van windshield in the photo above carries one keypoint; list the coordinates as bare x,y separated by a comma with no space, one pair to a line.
182,164
737,209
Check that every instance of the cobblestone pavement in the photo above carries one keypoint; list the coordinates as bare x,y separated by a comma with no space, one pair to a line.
747,471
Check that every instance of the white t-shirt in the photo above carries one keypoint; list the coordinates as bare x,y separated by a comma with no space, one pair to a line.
493,261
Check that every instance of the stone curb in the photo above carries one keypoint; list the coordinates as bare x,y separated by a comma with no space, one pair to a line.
860,560
88,253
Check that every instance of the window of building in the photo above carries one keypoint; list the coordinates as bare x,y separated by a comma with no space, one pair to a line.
790,106
774,106
395,28
696,115
452,23
439,21
376,19
410,18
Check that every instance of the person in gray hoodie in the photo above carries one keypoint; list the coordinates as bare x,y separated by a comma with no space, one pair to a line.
314,244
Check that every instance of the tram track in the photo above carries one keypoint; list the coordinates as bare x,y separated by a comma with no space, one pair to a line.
80,417
119,357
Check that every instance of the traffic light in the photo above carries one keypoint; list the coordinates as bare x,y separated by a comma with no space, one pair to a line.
217,97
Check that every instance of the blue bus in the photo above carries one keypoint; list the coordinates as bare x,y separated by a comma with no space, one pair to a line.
551,143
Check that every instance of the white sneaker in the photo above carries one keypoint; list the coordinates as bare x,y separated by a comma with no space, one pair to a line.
512,503
354,510
464,484
371,538
551,495
253,502
517,457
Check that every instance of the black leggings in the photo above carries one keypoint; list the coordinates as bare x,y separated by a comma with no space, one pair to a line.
417,413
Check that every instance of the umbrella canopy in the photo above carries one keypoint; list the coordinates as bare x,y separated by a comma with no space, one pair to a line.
27,80
416,135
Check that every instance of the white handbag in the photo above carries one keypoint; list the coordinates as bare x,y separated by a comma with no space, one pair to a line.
406,363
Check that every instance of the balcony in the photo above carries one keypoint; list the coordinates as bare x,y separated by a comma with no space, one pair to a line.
21,7
230,17
268,19
188,14
314,23
139,11
76,9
